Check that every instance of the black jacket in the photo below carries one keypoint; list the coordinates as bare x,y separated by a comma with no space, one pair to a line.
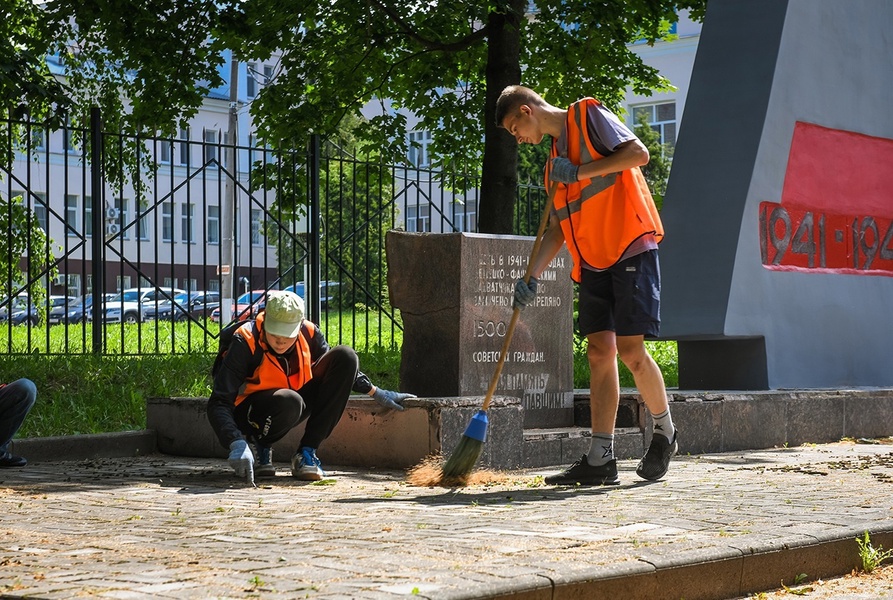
235,370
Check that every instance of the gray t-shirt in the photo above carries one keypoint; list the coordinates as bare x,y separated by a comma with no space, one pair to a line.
607,131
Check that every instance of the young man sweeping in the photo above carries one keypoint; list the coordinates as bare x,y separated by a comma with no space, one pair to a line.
604,212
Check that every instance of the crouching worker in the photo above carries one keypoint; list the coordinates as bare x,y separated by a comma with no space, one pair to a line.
276,372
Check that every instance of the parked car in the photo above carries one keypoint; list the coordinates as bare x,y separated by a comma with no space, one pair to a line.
130,305
59,307
19,311
82,310
247,306
197,305
328,291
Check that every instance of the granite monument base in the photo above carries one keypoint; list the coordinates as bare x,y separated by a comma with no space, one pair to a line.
708,422
366,436
455,292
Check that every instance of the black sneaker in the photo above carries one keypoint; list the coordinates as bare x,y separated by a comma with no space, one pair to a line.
656,461
264,466
8,460
582,473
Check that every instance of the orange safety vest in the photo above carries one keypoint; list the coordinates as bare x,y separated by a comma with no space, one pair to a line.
269,374
602,216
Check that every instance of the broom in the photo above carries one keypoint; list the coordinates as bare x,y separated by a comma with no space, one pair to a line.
467,453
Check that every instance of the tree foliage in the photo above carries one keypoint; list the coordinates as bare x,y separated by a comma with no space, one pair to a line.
446,63
657,171
23,241
355,213
150,63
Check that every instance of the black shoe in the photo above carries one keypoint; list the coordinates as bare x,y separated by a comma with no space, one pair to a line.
264,465
656,461
582,473
8,460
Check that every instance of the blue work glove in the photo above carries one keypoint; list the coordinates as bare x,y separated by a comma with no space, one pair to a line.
241,460
389,399
563,170
524,293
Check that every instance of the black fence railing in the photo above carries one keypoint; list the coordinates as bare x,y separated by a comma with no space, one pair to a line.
176,234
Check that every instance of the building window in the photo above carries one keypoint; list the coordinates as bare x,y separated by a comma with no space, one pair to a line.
210,146
466,218
186,212
38,138
166,152
88,216
40,210
71,215
250,81
256,227
418,218
123,282
268,74
661,117
418,148
213,224
68,138
259,151
144,221
184,147
121,204
167,222
73,284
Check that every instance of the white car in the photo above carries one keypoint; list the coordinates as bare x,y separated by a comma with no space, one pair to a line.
130,305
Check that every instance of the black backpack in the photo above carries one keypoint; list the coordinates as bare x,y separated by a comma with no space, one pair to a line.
225,341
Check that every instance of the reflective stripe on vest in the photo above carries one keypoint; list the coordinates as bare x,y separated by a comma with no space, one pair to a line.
270,375
600,217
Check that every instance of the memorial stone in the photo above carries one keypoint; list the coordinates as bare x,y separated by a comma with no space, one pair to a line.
454,292
777,267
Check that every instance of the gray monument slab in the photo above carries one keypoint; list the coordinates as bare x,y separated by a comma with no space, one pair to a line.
868,415
749,423
776,267
454,292
700,426
815,418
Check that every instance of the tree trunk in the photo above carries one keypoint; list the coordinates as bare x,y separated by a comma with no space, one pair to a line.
500,169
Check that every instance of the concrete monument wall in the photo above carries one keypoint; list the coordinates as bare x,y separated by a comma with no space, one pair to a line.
778,262
454,292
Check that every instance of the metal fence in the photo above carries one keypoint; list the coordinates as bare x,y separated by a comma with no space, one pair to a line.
137,220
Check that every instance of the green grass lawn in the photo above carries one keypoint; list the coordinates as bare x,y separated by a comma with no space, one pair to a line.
81,393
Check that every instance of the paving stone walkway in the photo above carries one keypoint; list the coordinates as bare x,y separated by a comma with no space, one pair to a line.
162,526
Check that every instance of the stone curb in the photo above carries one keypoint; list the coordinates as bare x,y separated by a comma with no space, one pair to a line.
87,446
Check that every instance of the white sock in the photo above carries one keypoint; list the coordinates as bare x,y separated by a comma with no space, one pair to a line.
663,424
601,449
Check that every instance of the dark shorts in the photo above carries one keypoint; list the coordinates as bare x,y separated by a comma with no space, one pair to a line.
624,299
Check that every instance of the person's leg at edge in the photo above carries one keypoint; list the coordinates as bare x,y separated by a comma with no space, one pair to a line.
16,401
598,466
596,322
649,380
650,383
326,395
604,392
